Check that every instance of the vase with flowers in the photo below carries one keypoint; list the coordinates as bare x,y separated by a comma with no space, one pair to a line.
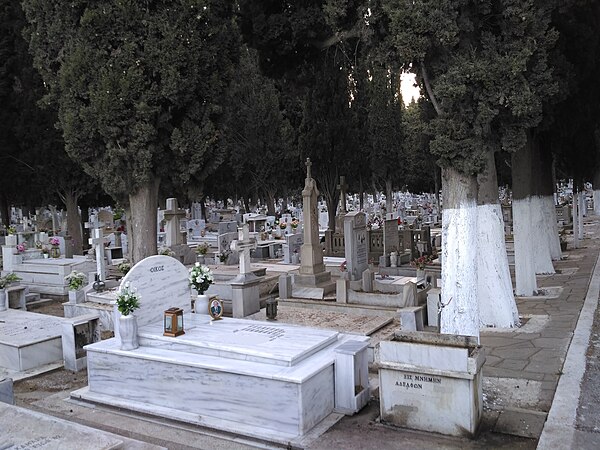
54,247
200,278
128,300
420,263
5,282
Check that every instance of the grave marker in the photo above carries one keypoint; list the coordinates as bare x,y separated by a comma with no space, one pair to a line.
356,244
162,283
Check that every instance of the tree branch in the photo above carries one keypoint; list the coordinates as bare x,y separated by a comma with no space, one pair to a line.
430,94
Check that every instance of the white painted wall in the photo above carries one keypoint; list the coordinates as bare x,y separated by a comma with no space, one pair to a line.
497,306
525,282
460,315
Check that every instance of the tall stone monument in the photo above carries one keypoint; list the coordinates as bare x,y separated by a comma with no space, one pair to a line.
312,281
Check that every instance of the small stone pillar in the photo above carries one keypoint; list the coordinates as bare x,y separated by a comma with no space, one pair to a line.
285,286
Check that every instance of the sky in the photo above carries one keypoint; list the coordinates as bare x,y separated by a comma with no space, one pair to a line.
409,91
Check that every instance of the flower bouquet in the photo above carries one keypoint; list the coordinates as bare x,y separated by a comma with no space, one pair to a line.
21,247
128,300
76,280
201,278
202,249
54,242
421,262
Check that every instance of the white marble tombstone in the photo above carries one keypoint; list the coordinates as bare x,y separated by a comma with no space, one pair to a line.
391,238
356,244
227,227
162,283
292,246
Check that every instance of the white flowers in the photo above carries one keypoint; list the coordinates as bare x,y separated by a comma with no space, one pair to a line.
201,278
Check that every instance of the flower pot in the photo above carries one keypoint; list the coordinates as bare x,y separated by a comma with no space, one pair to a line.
201,259
45,255
55,251
128,332
201,304
76,297
393,259
563,246
420,274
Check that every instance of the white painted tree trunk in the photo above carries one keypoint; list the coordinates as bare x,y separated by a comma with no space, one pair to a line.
460,306
497,307
575,213
581,214
542,259
597,202
551,227
525,281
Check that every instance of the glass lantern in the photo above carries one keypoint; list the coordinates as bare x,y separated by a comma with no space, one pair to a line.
173,322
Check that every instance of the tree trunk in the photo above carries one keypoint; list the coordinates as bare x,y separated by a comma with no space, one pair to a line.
546,241
389,201
575,217
523,231
596,186
270,204
581,212
436,172
332,202
4,210
460,307
74,222
497,306
143,220
203,208
361,195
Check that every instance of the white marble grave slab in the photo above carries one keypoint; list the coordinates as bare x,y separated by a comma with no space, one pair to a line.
162,283
29,340
219,375
23,429
278,344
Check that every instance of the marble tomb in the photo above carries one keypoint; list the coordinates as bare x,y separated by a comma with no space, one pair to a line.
264,380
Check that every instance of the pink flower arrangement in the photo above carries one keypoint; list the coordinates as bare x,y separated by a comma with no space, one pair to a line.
21,248
54,241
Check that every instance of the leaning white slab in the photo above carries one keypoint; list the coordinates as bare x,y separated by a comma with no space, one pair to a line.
25,429
29,340
264,380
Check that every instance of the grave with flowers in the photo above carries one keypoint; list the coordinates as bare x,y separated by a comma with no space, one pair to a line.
269,381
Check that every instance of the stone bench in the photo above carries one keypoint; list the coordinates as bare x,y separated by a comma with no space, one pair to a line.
411,318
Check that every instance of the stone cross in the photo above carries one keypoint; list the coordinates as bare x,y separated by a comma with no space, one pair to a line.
243,246
98,240
342,187
172,216
308,164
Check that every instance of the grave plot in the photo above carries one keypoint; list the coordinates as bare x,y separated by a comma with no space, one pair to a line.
29,341
264,380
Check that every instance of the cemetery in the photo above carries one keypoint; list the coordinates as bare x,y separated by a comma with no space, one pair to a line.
335,225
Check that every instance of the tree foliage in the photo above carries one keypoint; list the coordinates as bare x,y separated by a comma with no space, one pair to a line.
137,84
